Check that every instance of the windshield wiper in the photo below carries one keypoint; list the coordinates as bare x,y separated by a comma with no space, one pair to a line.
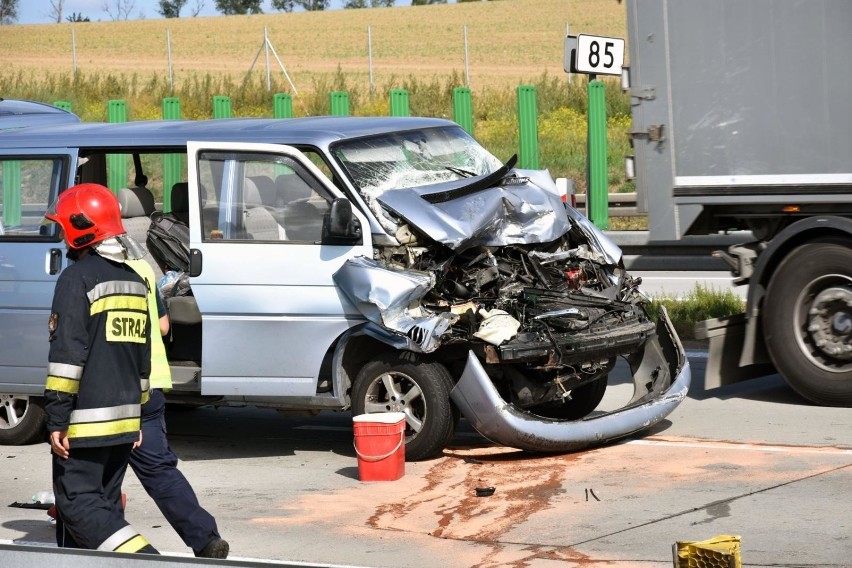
460,172
484,183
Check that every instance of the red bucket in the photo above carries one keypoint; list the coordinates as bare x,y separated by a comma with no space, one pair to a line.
380,445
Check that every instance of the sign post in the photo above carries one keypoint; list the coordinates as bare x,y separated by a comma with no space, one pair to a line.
593,56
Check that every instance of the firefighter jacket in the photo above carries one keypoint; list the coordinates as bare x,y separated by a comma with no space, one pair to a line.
100,353
161,374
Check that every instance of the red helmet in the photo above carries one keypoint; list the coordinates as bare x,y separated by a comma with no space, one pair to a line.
88,213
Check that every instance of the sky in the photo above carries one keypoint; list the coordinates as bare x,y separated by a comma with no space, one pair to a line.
37,11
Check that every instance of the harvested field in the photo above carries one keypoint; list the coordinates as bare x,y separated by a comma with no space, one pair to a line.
509,42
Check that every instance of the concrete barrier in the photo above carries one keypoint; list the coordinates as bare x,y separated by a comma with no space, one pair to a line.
26,556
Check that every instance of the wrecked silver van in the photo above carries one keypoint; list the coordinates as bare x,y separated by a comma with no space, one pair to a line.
363,264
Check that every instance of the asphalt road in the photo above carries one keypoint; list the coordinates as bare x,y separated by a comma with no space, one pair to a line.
751,459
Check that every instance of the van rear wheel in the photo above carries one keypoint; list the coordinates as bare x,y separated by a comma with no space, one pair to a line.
418,389
21,419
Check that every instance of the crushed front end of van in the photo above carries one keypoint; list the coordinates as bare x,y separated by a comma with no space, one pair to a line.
490,274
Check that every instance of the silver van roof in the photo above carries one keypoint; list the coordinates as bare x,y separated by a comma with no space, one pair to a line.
15,113
323,130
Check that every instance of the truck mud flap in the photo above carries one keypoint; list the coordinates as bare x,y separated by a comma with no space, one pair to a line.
656,395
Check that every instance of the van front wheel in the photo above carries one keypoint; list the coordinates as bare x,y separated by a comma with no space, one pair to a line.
418,389
21,419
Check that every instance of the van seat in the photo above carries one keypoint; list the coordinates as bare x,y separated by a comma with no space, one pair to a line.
183,310
137,205
266,188
180,201
260,224
302,218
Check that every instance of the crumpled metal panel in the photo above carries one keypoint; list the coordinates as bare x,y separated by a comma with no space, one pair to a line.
517,213
597,238
499,421
385,295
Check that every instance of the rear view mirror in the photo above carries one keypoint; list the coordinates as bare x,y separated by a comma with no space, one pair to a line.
339,225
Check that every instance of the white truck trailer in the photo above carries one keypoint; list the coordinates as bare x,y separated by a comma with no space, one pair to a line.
742,121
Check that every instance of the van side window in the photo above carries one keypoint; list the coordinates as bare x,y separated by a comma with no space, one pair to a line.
26,189
260,197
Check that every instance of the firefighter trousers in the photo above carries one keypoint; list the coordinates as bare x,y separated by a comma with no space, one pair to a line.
87,487
155,465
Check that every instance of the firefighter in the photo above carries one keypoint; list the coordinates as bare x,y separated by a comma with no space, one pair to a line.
153,462
98,372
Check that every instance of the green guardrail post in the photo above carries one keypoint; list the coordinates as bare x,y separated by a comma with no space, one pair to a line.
463,108
172,163
11,193
64,105
528,127
399,104
222,107
597,199
282,105
117,163
339,103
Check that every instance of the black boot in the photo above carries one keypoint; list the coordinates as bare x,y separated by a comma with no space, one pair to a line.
216,548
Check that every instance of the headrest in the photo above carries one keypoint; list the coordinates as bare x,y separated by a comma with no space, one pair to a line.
135,202
266,187
251,195
291,187
180,197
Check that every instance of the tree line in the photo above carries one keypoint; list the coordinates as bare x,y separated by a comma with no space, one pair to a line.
124,9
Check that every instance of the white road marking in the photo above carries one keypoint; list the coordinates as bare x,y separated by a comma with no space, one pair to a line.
749,447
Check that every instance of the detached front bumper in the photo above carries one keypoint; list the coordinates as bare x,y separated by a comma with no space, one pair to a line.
661,377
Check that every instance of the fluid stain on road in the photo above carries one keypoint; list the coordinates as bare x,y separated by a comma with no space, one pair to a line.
448,507
544,506
523,485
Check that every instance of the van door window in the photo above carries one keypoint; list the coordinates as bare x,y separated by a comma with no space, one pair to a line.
27,187
259,197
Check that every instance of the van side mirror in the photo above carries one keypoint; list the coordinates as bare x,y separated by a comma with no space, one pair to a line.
339,225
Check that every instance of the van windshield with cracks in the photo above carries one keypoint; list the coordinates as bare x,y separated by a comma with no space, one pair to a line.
413,158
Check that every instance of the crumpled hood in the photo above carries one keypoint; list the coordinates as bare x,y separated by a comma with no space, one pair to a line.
521,209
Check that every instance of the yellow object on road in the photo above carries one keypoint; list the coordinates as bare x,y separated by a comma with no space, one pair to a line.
721,551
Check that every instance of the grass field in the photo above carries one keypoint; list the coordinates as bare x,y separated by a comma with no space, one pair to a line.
509,42
421,49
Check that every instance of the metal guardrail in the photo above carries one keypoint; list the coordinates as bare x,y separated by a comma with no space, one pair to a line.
26,556
620,204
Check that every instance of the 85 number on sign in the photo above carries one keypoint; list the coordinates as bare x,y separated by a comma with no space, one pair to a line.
599,55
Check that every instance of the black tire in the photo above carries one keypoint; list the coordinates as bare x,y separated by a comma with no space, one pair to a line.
21,420
583,401
807,318
419,389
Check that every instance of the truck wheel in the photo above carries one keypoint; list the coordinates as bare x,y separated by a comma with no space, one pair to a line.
21,419
807,320
418,389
